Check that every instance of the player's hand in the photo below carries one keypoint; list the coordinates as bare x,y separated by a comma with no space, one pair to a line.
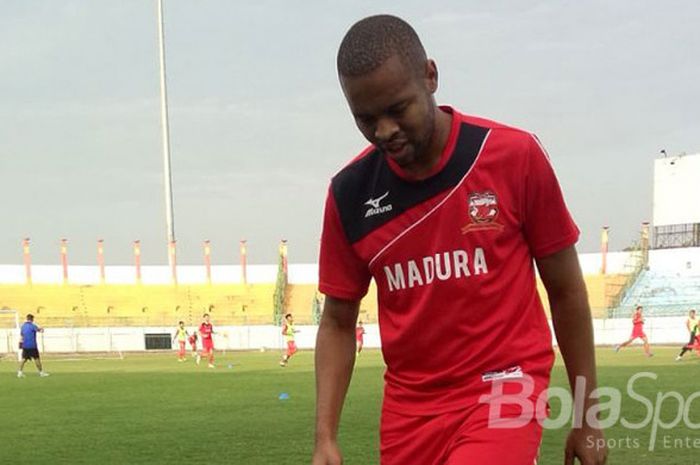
587,445
327,453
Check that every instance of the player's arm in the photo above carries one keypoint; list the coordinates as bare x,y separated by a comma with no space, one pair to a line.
571,317
335,357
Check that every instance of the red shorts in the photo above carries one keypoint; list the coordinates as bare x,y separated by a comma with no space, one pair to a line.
462,437
638,332
207,346
182,346
291,348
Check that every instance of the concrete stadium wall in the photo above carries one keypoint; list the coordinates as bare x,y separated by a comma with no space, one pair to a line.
670,330
662,330
671,260
128,339
196,274
58,340
186,274
680,261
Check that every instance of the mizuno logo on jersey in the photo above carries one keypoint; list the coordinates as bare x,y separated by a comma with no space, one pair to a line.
441,266
375,208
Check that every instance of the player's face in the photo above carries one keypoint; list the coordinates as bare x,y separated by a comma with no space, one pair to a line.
394,109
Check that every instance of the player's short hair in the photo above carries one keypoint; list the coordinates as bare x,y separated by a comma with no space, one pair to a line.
181,322
373,40
30,317
205,315
639,307
287,315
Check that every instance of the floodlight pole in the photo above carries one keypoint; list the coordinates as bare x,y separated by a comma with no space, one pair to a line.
166,135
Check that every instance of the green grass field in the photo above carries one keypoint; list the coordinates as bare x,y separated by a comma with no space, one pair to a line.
148,408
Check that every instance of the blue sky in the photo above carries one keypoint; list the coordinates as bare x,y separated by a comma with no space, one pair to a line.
259,124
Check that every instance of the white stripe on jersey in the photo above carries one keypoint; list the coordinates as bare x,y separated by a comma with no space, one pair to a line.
420,220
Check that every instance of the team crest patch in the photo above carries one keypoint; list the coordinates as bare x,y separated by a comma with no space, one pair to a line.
483,212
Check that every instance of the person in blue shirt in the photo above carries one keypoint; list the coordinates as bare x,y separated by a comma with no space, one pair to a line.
30,349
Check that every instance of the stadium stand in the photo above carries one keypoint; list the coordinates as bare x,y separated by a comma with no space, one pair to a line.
664,293
134,305
598,287
157,305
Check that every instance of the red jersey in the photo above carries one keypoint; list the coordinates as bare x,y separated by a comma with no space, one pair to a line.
206,329
637,319
359,333
452,257
193,339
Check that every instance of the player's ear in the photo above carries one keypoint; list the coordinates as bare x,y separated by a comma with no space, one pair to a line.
431,76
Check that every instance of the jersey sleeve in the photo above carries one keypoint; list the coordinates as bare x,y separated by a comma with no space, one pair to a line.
342,274
547,223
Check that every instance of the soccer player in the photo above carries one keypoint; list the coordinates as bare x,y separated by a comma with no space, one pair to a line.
206,331
448,213
193,343
181,336
288,333
692,325
637,332
359,336
29,346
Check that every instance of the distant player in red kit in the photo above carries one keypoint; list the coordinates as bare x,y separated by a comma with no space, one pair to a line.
206,330
359,336
449,215
193,343
637,332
